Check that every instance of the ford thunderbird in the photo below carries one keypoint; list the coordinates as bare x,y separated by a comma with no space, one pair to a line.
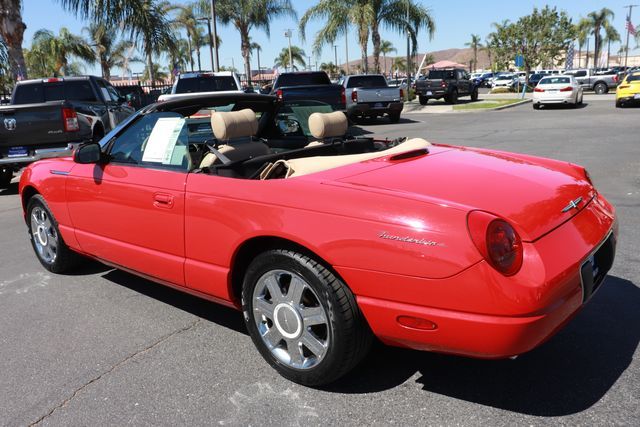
325,240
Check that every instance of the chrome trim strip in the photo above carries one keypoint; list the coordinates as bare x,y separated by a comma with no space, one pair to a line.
57,172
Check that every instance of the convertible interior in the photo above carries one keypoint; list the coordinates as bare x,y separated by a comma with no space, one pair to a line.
286,142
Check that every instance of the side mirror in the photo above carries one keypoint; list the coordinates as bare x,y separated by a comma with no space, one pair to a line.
287,126
88,153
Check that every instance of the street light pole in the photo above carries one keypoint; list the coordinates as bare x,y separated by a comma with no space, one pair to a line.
216,64
288,35
408,56
335,52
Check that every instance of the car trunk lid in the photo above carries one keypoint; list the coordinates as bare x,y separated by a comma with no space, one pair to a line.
533,196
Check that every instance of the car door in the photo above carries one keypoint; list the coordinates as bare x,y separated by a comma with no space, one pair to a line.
115,109
582,78
129,210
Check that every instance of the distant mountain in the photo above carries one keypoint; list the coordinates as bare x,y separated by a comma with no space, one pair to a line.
461,56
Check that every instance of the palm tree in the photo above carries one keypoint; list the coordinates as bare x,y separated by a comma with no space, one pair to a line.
610,35
12,33
583,28
122,56
487,48
157,72
475,44
179,56
297,56
399,64
59,49
386,47
246,15
151,32
102,40
599,20
186,18
400,16
257,48
338,15
329,68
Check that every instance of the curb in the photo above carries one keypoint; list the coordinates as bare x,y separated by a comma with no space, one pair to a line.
515,104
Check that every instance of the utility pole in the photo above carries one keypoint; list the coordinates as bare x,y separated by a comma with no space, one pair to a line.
216,64
626,27
335,52
346,46
287,34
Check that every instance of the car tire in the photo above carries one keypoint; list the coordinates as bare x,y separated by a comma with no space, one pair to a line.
50,248
580,100
536,106
619,104
394,117
474,95
423,100
303,319
600,89
453,97
6,175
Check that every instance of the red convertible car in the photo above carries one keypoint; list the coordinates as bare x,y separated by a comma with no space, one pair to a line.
326,240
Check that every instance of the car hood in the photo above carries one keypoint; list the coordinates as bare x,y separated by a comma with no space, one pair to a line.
534,194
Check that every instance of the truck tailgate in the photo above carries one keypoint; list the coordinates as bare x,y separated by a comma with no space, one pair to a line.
23,127
328,94
375,95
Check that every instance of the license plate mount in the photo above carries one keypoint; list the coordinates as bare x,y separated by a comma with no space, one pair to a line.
17,152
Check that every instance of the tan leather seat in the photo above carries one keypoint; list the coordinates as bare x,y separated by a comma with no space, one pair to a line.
235,129
307,165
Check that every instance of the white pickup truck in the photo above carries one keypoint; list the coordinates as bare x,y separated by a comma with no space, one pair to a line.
189,84
368,95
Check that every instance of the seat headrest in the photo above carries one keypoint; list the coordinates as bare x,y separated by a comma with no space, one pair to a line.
234,124
328,125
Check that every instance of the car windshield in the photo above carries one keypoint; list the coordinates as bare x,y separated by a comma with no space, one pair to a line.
504,78
303,79
555,80
35,93
300,110
206,84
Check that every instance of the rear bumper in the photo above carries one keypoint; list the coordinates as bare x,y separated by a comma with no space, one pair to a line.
628,99
41,153
480,313
557,98
435,93
367,109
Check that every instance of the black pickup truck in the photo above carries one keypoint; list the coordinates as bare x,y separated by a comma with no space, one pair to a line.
309,86
49,117
447,83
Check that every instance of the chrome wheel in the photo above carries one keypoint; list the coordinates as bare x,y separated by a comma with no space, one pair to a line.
290,319
44,235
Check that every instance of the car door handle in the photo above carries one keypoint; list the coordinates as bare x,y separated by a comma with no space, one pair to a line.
162,200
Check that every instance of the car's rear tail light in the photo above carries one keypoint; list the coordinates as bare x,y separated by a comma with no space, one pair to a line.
70,120
354,96
497,241
51,80
566,89
279,94
615,78
343,97
443,84
538,90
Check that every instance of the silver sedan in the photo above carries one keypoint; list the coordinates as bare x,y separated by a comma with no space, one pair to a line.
557,90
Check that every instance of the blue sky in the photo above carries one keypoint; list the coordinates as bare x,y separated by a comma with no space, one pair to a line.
454,24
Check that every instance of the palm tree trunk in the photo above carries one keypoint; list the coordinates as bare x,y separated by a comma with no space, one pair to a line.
596,48
608,52
363,40
12,31
246,52
384,59
198,56
475,57
152,76
586,65
190,52
375,38
258,53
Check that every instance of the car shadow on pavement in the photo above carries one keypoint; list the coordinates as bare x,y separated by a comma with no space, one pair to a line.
368,121
564,106
566,375
216,313
11,190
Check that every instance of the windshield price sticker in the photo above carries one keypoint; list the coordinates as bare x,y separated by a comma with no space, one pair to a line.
162,140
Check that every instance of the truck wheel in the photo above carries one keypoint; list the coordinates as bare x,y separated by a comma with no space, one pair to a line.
600,88
453,98
395,117
474,95
6,175
536,106
423,100
52,252
303,319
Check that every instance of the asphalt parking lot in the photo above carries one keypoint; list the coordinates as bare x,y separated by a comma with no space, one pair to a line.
103,347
